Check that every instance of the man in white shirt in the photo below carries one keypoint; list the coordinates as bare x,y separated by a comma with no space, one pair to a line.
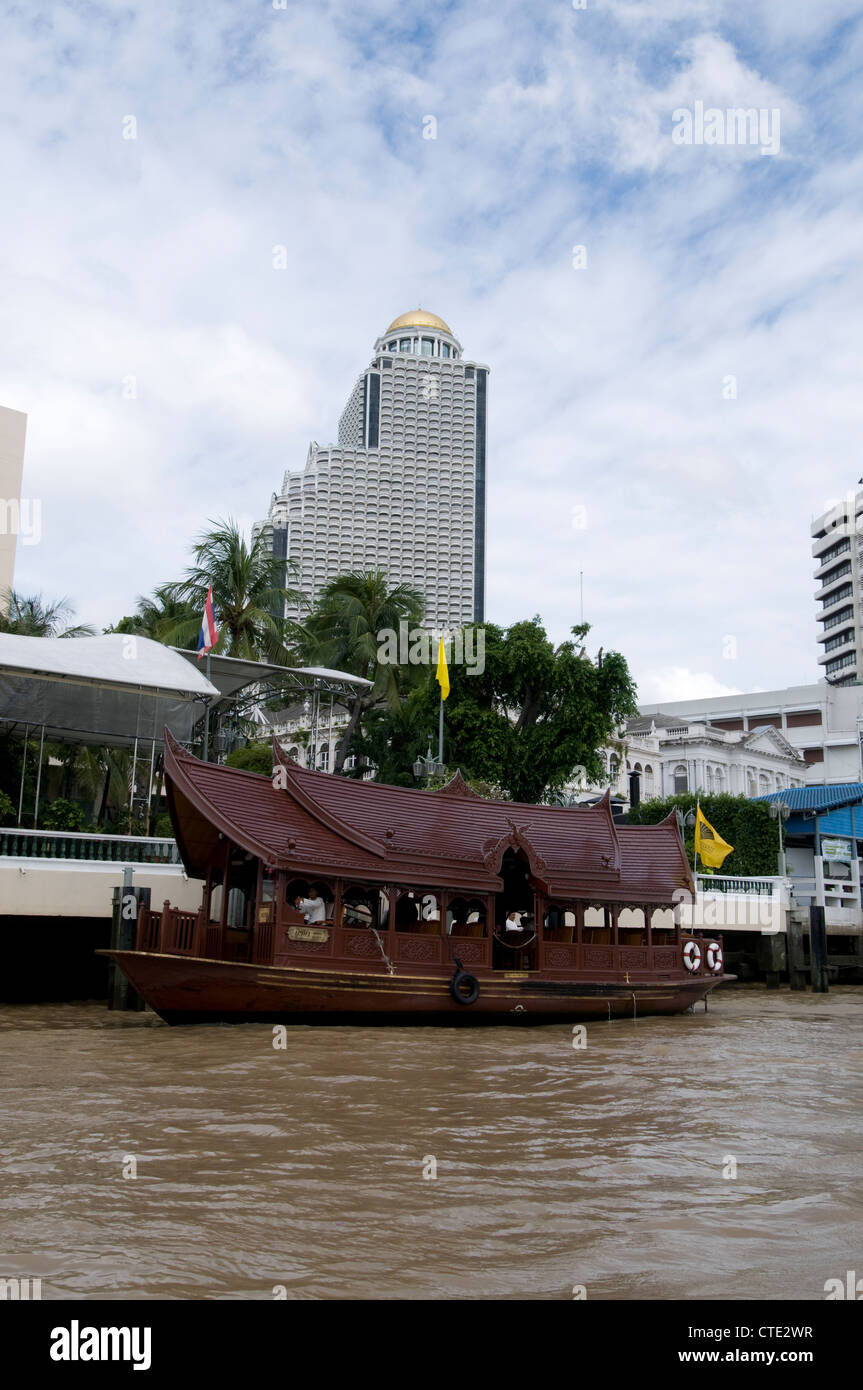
513,922
314,907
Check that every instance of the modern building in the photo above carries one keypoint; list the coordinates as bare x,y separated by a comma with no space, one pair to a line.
404,489
837,548
13,430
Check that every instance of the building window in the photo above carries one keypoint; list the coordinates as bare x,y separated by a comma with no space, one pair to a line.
404,345
428,347
444,349
469,374
681,780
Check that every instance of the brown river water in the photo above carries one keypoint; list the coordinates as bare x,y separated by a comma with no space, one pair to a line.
301,1170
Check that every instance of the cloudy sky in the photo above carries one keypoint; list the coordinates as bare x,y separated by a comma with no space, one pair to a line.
666,418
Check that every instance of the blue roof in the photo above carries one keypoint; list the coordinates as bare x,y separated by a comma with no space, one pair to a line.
818,799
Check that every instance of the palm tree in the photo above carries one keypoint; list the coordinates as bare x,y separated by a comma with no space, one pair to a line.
342,632
31,616
164,618
249,594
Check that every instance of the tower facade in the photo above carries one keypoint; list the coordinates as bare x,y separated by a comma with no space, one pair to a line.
404,489
837,549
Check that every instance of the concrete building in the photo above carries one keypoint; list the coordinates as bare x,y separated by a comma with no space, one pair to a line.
662,755
822,721
13,429
404,489
837,549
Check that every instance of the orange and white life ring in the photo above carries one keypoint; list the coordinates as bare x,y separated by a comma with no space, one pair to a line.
692,955
714,957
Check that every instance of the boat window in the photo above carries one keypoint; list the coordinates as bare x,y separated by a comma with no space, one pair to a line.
216,896
597,925
236,908
310,887
365,906
559,923
466,917
662,925
268,886
631,927
418,909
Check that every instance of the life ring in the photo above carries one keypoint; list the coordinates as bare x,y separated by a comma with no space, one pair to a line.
464,988
714,957
692,955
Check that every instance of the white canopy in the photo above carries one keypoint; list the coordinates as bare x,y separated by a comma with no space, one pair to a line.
104,690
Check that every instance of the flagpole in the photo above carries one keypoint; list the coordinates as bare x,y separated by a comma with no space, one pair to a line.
695,845
440,733
207,719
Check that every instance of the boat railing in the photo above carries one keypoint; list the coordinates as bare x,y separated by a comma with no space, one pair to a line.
171,931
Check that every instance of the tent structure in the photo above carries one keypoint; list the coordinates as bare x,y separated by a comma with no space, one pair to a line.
108,690
117,690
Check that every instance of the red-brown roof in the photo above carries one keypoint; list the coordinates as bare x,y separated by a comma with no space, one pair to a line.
312,822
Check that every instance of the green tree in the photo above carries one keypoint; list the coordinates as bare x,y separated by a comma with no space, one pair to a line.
390,739
342,633
31,616
164,618
249,596
742,823
536,712
256,757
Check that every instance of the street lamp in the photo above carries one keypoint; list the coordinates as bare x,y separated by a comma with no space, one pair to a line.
780,811
428,766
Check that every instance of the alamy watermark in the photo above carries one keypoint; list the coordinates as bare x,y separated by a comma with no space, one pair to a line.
737,125
418,646
21,518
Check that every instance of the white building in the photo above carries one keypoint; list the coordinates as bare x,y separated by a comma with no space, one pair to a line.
404,489
13,429
822,721
671,755
837,548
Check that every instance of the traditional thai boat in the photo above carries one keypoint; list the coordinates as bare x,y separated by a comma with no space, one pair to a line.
326,898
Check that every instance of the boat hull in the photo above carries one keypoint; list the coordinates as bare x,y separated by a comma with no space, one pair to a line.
188,989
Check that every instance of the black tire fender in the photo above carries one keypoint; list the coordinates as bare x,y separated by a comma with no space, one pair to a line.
463,987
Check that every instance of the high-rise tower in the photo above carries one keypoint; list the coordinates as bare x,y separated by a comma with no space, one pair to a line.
837,549
404,489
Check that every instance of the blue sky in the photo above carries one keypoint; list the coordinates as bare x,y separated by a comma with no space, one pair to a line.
152,258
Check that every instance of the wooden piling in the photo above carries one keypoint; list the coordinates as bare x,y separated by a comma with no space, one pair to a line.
818,950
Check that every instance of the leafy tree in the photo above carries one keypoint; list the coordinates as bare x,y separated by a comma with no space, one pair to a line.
249,596
535,713
742,823
390,739
164,618
31,616
62,815
342,633
8,810
256,757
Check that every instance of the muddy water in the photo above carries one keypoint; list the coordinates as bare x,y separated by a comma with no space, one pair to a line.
303,1168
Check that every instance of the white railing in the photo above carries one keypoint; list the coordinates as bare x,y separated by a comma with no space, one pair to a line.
78,845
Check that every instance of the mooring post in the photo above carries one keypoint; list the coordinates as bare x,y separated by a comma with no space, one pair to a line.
818,950
124,926
796,962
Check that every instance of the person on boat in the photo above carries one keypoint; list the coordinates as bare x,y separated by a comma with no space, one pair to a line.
513,921
313,907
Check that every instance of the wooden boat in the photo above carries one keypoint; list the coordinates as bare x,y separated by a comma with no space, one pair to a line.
413,889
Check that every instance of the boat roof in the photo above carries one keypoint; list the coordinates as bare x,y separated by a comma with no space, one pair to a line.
315,823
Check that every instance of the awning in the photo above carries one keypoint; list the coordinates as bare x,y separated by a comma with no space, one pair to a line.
105,690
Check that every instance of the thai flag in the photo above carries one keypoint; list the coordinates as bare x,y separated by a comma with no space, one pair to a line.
208,636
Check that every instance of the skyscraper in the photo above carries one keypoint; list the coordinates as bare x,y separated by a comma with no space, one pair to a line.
404,488
837,549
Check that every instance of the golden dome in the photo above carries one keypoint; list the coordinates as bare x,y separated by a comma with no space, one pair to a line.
419,318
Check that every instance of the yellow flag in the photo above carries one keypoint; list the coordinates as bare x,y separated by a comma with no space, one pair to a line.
712,848
442,672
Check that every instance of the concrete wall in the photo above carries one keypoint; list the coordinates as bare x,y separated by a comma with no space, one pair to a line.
57,888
